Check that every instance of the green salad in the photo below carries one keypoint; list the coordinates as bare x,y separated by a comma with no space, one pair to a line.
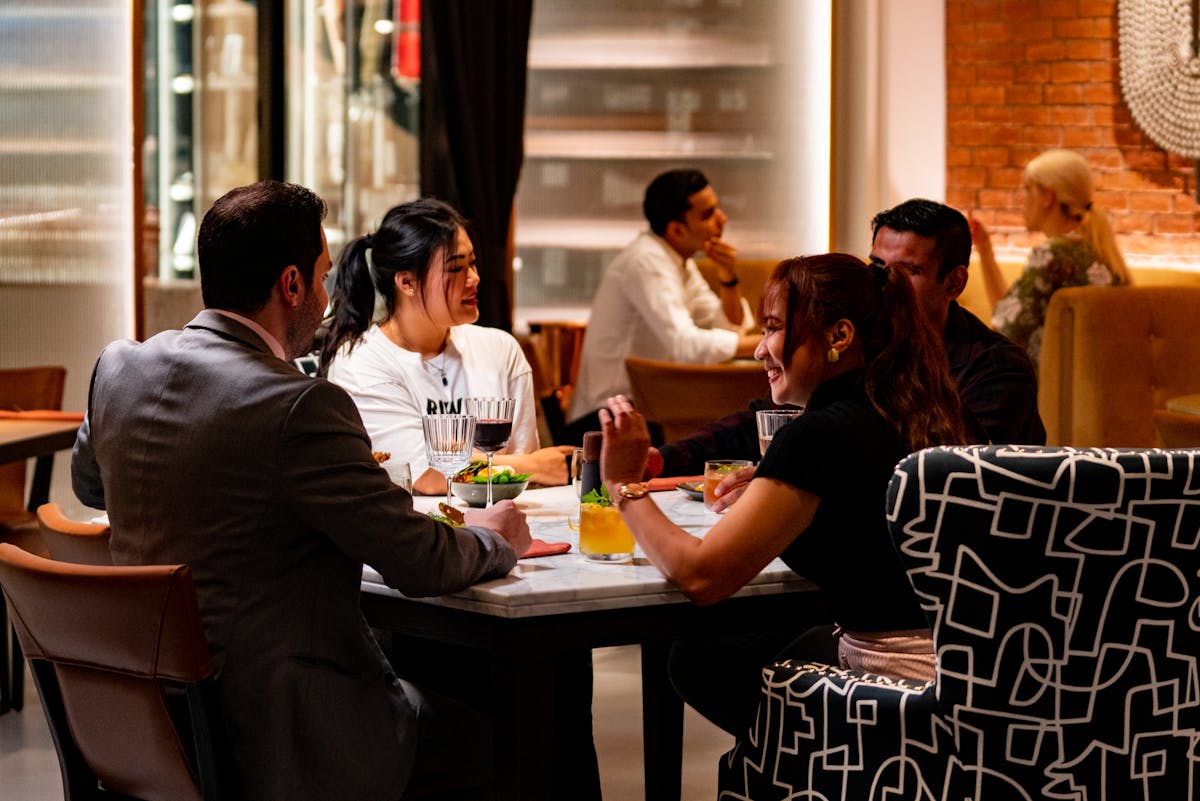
477,473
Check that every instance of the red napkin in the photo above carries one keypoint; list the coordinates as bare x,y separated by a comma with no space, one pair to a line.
543,548
42,414
669,482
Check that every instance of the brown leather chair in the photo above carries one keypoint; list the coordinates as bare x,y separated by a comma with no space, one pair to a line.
1176,429
685,397
71,540
125,676
22,389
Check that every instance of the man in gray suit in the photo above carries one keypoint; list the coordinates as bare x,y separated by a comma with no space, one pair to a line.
208,447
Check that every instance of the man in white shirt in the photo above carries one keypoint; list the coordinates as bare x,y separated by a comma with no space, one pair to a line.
654,303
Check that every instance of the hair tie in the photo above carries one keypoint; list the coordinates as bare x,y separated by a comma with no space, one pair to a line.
880,274
368,241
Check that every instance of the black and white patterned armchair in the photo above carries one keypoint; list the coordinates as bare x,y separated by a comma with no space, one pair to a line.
1063,589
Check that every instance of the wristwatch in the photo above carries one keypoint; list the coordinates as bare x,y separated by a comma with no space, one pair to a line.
631,492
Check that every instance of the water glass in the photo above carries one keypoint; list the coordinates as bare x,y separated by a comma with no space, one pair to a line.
448,442
770,421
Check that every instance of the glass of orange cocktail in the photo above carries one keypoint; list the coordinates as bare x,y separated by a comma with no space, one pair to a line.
714,471
603,535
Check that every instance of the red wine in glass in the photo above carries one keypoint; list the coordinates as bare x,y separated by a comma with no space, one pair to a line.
492,435
493,426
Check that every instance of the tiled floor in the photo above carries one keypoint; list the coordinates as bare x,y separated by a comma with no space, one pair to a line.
29,766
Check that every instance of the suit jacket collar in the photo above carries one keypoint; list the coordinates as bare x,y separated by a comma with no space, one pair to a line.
228,327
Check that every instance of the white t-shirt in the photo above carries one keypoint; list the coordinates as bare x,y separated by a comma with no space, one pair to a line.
393,387
655,304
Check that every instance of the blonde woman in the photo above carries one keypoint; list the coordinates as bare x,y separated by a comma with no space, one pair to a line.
1079,250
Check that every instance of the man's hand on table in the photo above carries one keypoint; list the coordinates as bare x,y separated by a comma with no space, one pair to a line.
507,520
731,488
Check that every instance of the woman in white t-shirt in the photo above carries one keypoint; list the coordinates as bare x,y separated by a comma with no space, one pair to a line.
426,356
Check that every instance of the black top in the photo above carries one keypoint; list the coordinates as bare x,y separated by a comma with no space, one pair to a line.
995,380
844,452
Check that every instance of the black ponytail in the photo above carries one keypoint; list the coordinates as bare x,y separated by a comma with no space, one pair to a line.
408,237
352,303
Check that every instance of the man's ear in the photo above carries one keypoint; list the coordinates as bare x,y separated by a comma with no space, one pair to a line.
955,282
675,231
289,283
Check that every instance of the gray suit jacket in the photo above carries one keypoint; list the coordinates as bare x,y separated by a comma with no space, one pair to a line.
208,450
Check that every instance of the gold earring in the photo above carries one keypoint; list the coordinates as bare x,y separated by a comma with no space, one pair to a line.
833,356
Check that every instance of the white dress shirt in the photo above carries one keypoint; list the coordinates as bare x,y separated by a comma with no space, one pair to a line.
655,304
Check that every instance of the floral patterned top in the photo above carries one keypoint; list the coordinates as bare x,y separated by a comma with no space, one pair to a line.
1059,262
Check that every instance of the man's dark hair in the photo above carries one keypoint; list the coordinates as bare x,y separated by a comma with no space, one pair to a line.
937,221
250,236
667,197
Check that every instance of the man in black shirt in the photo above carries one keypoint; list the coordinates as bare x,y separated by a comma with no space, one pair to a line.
931,243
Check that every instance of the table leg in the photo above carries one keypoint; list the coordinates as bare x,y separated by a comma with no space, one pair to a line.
522,726
39,486
662,725
12,661
12,665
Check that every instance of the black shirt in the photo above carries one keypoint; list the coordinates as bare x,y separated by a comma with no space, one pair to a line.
844,452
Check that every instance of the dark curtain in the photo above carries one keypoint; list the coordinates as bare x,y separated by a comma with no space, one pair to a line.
473,64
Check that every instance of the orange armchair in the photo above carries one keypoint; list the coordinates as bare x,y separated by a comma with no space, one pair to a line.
72,541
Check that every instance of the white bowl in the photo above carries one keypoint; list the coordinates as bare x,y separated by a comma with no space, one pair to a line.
476,494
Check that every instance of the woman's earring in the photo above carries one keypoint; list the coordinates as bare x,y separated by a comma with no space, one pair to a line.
833,356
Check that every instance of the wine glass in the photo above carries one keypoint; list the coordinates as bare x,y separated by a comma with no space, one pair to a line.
448,439
493,427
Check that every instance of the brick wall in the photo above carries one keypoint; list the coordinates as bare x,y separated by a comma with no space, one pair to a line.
1023,76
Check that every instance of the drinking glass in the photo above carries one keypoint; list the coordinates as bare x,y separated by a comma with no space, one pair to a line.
577,471
770,421
399,473
603,536
493,427
448,440
714,471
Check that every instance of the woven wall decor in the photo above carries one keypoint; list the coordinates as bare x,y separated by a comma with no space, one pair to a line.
1160,70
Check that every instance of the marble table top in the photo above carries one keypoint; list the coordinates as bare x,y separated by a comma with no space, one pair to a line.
567,583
